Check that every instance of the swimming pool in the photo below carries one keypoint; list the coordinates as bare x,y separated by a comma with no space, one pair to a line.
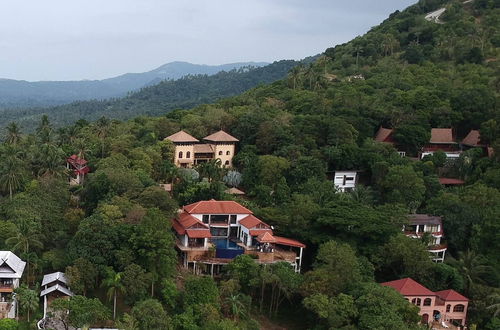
225,244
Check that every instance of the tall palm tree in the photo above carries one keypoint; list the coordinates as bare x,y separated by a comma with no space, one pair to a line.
113,282
11,174
473,268
13,134
102,126
28,299
25,239
236,306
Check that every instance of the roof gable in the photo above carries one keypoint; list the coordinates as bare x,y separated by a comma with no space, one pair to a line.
250,221
11,266
181,136
451,295
216,207
57,276
472,139
220,136
442,135
409,287
384,135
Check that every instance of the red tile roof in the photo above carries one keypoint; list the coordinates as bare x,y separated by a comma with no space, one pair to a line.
450,181
75,160
442,135
220,136
451,295
288,241
181,136
250,221
178,227
409,287
187,220
216,207
472,139
257,232
384,135
266,238
198,233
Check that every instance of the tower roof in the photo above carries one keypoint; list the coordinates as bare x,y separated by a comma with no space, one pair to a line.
220,136
181,136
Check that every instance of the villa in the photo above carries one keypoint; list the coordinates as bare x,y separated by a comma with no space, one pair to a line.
441,309
212,233
421,224
11,271
385,135
442,139
78,169
189,151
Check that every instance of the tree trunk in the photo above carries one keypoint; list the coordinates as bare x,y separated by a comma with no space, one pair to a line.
114,306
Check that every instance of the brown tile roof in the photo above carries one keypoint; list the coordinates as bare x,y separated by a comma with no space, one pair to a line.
216,207
203,149
266,237
257,232
288,242
250,221
198,233
472,139
409,287
421,219
383,134
451,181
442,135
221,136
234,191
451,295
181,136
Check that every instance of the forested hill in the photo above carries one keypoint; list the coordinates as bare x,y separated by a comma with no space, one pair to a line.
167,95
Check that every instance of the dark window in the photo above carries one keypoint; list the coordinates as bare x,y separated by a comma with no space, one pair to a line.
427,301
180,154
459,308
227,162
448,308
220,153
218,231
228,153
233,219
206,217
188,154
416,301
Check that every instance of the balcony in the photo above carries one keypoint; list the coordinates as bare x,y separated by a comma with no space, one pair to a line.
437,247
192,246
6,288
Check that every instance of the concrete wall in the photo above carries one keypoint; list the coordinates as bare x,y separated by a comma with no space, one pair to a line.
224,152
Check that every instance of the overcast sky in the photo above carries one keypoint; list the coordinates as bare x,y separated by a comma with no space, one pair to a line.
95,39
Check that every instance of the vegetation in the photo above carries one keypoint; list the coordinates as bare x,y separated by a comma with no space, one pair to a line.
407,73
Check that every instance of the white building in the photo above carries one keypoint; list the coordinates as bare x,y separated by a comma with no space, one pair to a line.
424,224
11,271
345,180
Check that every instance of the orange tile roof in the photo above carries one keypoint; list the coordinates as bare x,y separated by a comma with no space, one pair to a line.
383,134
250,221
216,207
220,136
257,232
187,220
288,242
451,295
181,136
198,233
472,139
442,135
266,238
450,181
178,227
409,287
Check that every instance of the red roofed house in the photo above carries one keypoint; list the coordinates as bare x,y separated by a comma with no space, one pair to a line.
231,229
441,139
473,140
420,224
189,151
78,168
446,308
385,135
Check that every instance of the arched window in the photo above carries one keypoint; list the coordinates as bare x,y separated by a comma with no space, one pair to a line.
228,153
220,153
427,301
227,162
416,301
180,154
188,154
448,308
458,308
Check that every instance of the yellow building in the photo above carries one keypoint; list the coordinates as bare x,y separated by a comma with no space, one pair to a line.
190,152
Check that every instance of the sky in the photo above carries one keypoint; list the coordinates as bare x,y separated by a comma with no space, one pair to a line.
96,39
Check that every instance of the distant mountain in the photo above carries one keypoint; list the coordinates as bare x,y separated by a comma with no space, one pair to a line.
183,93
21,93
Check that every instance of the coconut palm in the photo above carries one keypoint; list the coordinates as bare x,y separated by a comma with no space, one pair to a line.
473,268
13,134
11,174
236,305
28,299
102,126
113,282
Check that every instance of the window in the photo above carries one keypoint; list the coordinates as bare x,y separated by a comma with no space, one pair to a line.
416,301
228,153
458,308
233,219
180,154
188,154
205,218
220,153
227,162
448,308
427,301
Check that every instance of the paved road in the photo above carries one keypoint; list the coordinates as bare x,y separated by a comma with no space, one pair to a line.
434,16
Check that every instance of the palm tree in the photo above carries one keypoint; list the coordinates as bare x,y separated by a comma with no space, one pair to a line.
473,268
113,282
11,174
212,170
236,306
103,126
25,239
13,134
28,299
495,306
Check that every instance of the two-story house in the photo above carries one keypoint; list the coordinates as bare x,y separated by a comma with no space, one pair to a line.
345,180
54,285
189,151
78,169
214,232
447,308
442,139
421,225
11,271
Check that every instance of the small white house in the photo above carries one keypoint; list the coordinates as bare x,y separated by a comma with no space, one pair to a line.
345,180
54,286
11,271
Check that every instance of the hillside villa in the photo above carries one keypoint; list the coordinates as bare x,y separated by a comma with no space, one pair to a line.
54,285
11,271
189,151
345,180
441,309
385,135
421,224
442,139
212,233
78,169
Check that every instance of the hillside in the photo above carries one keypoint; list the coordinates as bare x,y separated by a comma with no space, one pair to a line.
20,93
183,93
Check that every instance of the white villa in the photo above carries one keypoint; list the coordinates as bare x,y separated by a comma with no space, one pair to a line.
11,271
345,180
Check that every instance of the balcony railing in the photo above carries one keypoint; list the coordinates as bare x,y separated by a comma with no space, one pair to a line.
437,247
